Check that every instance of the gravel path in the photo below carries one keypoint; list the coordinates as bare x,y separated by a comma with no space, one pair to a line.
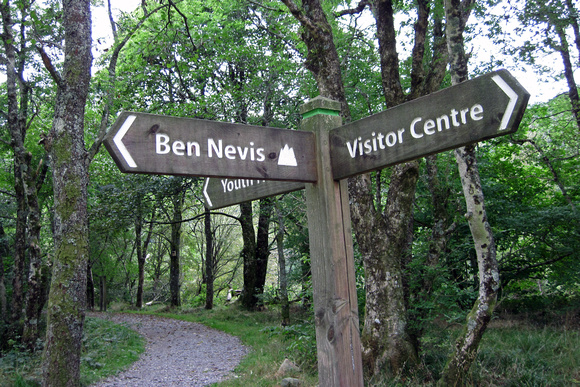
177,353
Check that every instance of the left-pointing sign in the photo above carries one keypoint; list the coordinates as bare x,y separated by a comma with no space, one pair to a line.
148,143
224,192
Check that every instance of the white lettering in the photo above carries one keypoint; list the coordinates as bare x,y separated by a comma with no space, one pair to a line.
412,128
391,139
178,148
476,110
193,148
230,152
401,131
368,147
443,119
161,148
212,147
429,127
352,148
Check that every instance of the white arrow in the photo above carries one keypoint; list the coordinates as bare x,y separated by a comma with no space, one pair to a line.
513,96
118,141
205,192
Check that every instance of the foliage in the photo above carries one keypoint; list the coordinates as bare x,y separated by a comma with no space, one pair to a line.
107,349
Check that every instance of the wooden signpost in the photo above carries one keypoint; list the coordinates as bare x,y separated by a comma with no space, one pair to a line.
224,192
485,107
241,160
148,143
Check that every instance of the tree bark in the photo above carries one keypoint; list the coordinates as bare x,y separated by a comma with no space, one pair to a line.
209,261
142,247
255,251
174,265
67,300
564,50
248,255
16,123
466,346
103,292
282,270
3,300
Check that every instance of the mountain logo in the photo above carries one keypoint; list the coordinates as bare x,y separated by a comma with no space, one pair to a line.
287,157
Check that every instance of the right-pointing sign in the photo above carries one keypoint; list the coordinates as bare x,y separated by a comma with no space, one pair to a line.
485,107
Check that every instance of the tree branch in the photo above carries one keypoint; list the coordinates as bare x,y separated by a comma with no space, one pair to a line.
353,11
112,79
49,66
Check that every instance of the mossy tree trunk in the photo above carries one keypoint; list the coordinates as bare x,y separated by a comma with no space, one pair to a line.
28,179
466,346
69,162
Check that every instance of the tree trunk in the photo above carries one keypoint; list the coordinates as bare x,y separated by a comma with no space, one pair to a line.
564,50
248,298
3,300
209,261
466,346
34,299
140,254
103,293
174,265
387,345
90,289
282,270
17,133
67,299
262,243
385,249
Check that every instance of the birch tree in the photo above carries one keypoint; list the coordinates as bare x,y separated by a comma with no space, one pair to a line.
457,12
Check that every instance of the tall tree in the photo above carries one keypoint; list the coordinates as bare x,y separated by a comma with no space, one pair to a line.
69,162
457,12
28,178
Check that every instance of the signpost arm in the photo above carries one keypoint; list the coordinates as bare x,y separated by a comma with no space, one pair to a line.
332,258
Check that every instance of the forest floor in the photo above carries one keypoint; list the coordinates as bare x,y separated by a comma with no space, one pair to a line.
177,353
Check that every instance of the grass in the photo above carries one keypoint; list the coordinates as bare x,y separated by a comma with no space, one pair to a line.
107,348
510,354
529,356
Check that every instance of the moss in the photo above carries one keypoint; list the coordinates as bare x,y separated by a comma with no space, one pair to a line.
61,149
69,197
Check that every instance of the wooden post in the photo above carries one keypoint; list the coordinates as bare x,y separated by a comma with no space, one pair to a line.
333,274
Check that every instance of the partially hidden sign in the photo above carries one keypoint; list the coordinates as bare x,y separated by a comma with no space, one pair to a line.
223,192
154,144
482,108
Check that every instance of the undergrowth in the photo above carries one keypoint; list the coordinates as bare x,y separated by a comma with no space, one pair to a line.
107,348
